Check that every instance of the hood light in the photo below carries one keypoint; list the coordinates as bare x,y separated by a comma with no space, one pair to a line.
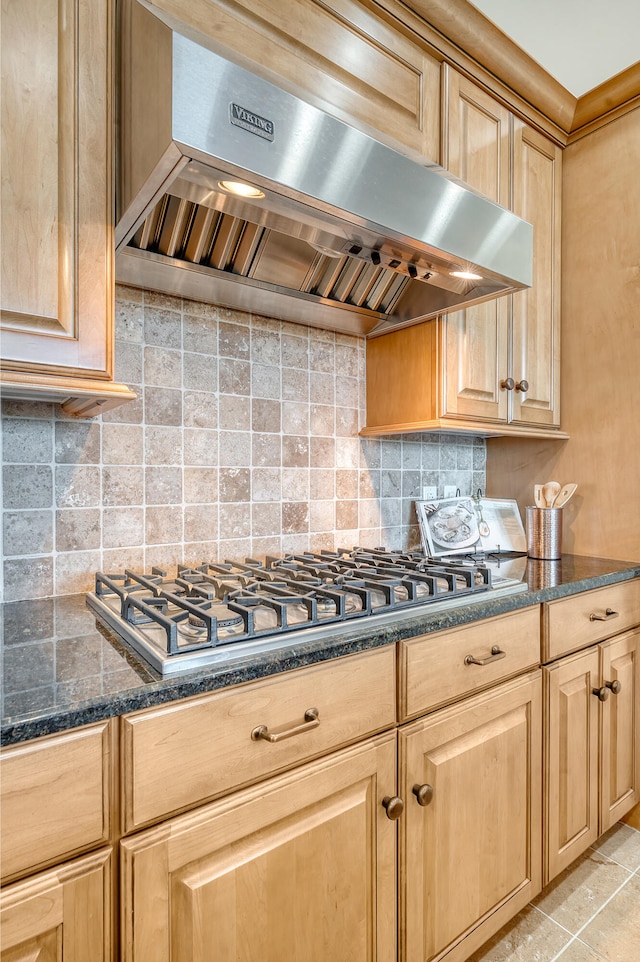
241,189
466,275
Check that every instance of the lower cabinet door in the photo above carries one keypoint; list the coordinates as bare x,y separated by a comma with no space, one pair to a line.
300,868
62,914
571,759
470,837
620,732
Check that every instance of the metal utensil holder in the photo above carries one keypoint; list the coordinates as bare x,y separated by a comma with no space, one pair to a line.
544,533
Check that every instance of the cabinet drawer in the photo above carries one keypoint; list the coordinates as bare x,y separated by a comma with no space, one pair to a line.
176,756
55,797
580,620
434,669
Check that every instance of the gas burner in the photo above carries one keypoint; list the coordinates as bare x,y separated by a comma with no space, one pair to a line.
214,612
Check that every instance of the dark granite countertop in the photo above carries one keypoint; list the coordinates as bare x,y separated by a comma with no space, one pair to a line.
62,669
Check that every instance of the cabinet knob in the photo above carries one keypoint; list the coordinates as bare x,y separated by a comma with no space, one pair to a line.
424,794
393,806
615,686
522,385
508,384
602,693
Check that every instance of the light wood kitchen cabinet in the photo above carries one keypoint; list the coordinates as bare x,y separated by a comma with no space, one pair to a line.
300,867
55,798
57,234
64,913
535,323
353,59
296,856
170,762
492,368
470,837
592,733
56,801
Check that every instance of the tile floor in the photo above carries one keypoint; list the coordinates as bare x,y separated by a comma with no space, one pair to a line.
589,913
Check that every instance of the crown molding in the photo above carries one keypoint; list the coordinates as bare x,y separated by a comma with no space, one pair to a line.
466,28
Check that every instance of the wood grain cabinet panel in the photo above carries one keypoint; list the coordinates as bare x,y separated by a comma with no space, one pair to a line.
517,336
620,728
592,738
470,854
55,796
475,349
63,915
301,868
177,756
352,58
591,616
571,759
535,324
434,669
57,217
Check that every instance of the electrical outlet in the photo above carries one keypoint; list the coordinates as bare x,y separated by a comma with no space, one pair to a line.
429,491
450,490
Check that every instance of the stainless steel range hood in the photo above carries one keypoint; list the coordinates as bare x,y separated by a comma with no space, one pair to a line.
347,234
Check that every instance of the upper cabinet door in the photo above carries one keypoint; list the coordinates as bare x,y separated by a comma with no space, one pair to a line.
349,57
537,183
57,306
477,149
477,138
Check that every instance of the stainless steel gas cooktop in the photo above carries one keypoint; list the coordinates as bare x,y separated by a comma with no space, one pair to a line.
215,613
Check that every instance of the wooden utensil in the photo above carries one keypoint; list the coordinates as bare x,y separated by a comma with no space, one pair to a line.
564,495
549,492
538,498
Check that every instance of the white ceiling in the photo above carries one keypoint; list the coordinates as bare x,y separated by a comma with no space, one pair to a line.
581,43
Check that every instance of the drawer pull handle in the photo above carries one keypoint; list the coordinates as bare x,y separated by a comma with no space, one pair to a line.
496,655
609,613
602,693
423,793
311,720
615,686
393,806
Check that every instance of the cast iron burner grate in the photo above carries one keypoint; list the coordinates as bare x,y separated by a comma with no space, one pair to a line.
214,612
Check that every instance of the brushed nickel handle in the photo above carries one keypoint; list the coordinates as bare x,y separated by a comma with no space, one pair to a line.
311,720
508,384
609,613
393,806
496,655
602,693
522,385
423,793
615,686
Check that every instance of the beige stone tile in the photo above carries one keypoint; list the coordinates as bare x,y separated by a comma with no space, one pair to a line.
323,482
622,845
577,951
266,519
581,890
322,516
529,937
615,931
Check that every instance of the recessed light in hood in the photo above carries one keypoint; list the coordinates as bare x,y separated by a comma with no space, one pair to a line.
240,189
349,234
467,275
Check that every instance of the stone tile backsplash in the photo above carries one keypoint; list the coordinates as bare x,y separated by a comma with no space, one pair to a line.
243,441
